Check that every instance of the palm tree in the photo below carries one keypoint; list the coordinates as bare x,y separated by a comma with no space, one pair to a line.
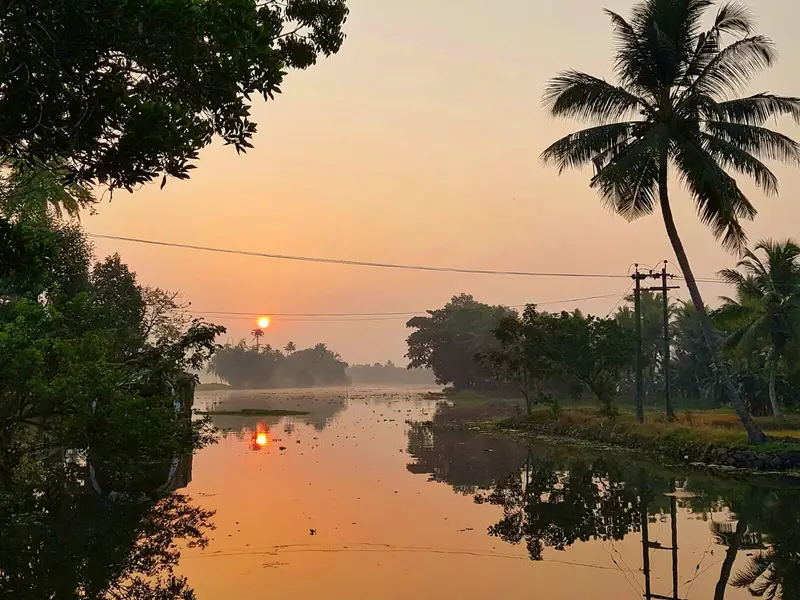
670,109
257,335
767,305
761,577
42,193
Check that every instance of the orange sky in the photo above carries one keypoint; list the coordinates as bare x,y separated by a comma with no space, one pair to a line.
419,143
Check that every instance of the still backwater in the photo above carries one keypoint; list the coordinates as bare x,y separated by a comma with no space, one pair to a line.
364,498
352,501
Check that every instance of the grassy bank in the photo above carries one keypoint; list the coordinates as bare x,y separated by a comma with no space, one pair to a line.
710,437
704,436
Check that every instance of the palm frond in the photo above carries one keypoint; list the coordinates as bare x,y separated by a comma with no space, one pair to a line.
628,183
756,568
582,147
752,265
757,109
761,142
720,203
579,95
731,156
731,277
666,32
734,18
733,67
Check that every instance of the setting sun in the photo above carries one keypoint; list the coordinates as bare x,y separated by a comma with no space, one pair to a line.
263,322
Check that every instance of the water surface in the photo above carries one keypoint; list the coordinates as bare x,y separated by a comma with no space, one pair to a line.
352,501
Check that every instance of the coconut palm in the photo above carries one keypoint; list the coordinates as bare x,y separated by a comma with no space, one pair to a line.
257,335
766,310
41,194
671,111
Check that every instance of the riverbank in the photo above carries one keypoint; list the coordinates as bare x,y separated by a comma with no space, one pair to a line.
694,437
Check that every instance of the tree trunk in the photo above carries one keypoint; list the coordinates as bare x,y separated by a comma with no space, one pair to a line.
773,373
754,434
730,558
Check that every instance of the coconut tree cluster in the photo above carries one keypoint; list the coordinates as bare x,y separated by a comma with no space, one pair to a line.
675,115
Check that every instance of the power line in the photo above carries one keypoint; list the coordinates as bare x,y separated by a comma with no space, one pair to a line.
363,263
281,316
618,302
358,263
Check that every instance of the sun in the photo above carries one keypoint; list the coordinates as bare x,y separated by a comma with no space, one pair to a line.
263,322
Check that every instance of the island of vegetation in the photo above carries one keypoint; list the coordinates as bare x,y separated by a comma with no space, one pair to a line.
242,366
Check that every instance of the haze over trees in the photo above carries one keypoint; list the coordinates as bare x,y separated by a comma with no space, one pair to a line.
447,340
248,367
389,373
674,109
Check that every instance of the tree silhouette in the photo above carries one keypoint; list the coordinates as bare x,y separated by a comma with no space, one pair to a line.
671,108
766,310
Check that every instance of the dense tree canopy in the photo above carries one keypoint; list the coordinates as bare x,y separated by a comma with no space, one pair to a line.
120,92
765,315
447,340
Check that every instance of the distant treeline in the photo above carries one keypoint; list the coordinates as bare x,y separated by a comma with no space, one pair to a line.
390,373
551,357
249,367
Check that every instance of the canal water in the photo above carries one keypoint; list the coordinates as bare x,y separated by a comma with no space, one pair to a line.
364,498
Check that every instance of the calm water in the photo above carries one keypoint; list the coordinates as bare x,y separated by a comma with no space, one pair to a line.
353,502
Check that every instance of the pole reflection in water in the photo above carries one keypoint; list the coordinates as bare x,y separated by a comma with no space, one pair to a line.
559,497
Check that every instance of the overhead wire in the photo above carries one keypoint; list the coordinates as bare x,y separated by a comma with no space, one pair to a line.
359,263
364,263
621,298
370,315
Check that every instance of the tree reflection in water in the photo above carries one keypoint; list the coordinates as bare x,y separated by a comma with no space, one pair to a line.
60,539
545,506
555,496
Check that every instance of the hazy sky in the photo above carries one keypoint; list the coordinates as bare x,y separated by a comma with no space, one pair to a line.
419,143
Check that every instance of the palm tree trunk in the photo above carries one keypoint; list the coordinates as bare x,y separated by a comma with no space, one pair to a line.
730,558
773,374
754,433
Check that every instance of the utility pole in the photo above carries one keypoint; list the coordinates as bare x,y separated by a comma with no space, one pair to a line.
637,308
667,385
664,289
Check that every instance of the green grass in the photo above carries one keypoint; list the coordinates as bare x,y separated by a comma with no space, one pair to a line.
254,412
690,437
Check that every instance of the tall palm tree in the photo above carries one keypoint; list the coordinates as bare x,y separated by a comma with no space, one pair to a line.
671,110
767,305
257,335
